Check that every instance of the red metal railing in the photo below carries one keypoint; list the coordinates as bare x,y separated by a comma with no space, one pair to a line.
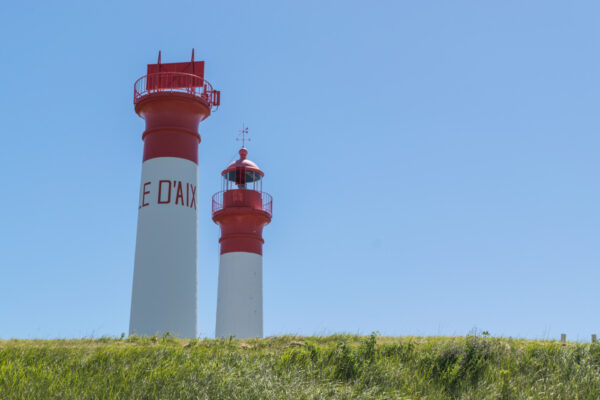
266,201
180,82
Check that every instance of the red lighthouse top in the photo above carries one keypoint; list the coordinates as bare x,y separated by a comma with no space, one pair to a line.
173,99
183,78
244,178
242,209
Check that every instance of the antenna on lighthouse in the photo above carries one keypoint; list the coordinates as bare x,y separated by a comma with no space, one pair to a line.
243,134
193,69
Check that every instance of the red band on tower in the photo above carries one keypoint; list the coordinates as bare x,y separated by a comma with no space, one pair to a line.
241,230
171,143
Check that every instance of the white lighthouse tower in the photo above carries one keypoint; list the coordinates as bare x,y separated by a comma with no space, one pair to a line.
173,99
241,209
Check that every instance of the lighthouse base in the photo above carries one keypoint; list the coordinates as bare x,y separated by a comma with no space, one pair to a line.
239,299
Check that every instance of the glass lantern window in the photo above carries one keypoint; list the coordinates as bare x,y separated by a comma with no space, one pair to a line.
241,178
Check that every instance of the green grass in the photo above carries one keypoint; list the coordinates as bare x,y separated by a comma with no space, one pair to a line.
288,367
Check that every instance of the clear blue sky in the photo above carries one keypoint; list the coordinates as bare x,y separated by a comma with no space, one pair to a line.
434,165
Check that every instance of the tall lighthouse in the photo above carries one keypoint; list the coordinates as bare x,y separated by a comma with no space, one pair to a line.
173,99
241,209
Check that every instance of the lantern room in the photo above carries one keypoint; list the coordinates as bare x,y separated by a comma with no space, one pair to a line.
242,187
242,174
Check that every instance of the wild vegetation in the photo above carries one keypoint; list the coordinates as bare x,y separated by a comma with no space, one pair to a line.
288,367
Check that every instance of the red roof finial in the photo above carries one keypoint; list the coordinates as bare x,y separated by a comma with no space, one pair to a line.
243,162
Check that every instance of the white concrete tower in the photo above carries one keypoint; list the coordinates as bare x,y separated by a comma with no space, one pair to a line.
241,209
173,99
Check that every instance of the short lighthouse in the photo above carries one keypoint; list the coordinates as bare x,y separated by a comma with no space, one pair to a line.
173,99
241,209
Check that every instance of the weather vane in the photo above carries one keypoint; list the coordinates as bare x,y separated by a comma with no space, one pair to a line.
243,134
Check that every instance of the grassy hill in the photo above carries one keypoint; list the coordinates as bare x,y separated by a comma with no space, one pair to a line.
333,367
